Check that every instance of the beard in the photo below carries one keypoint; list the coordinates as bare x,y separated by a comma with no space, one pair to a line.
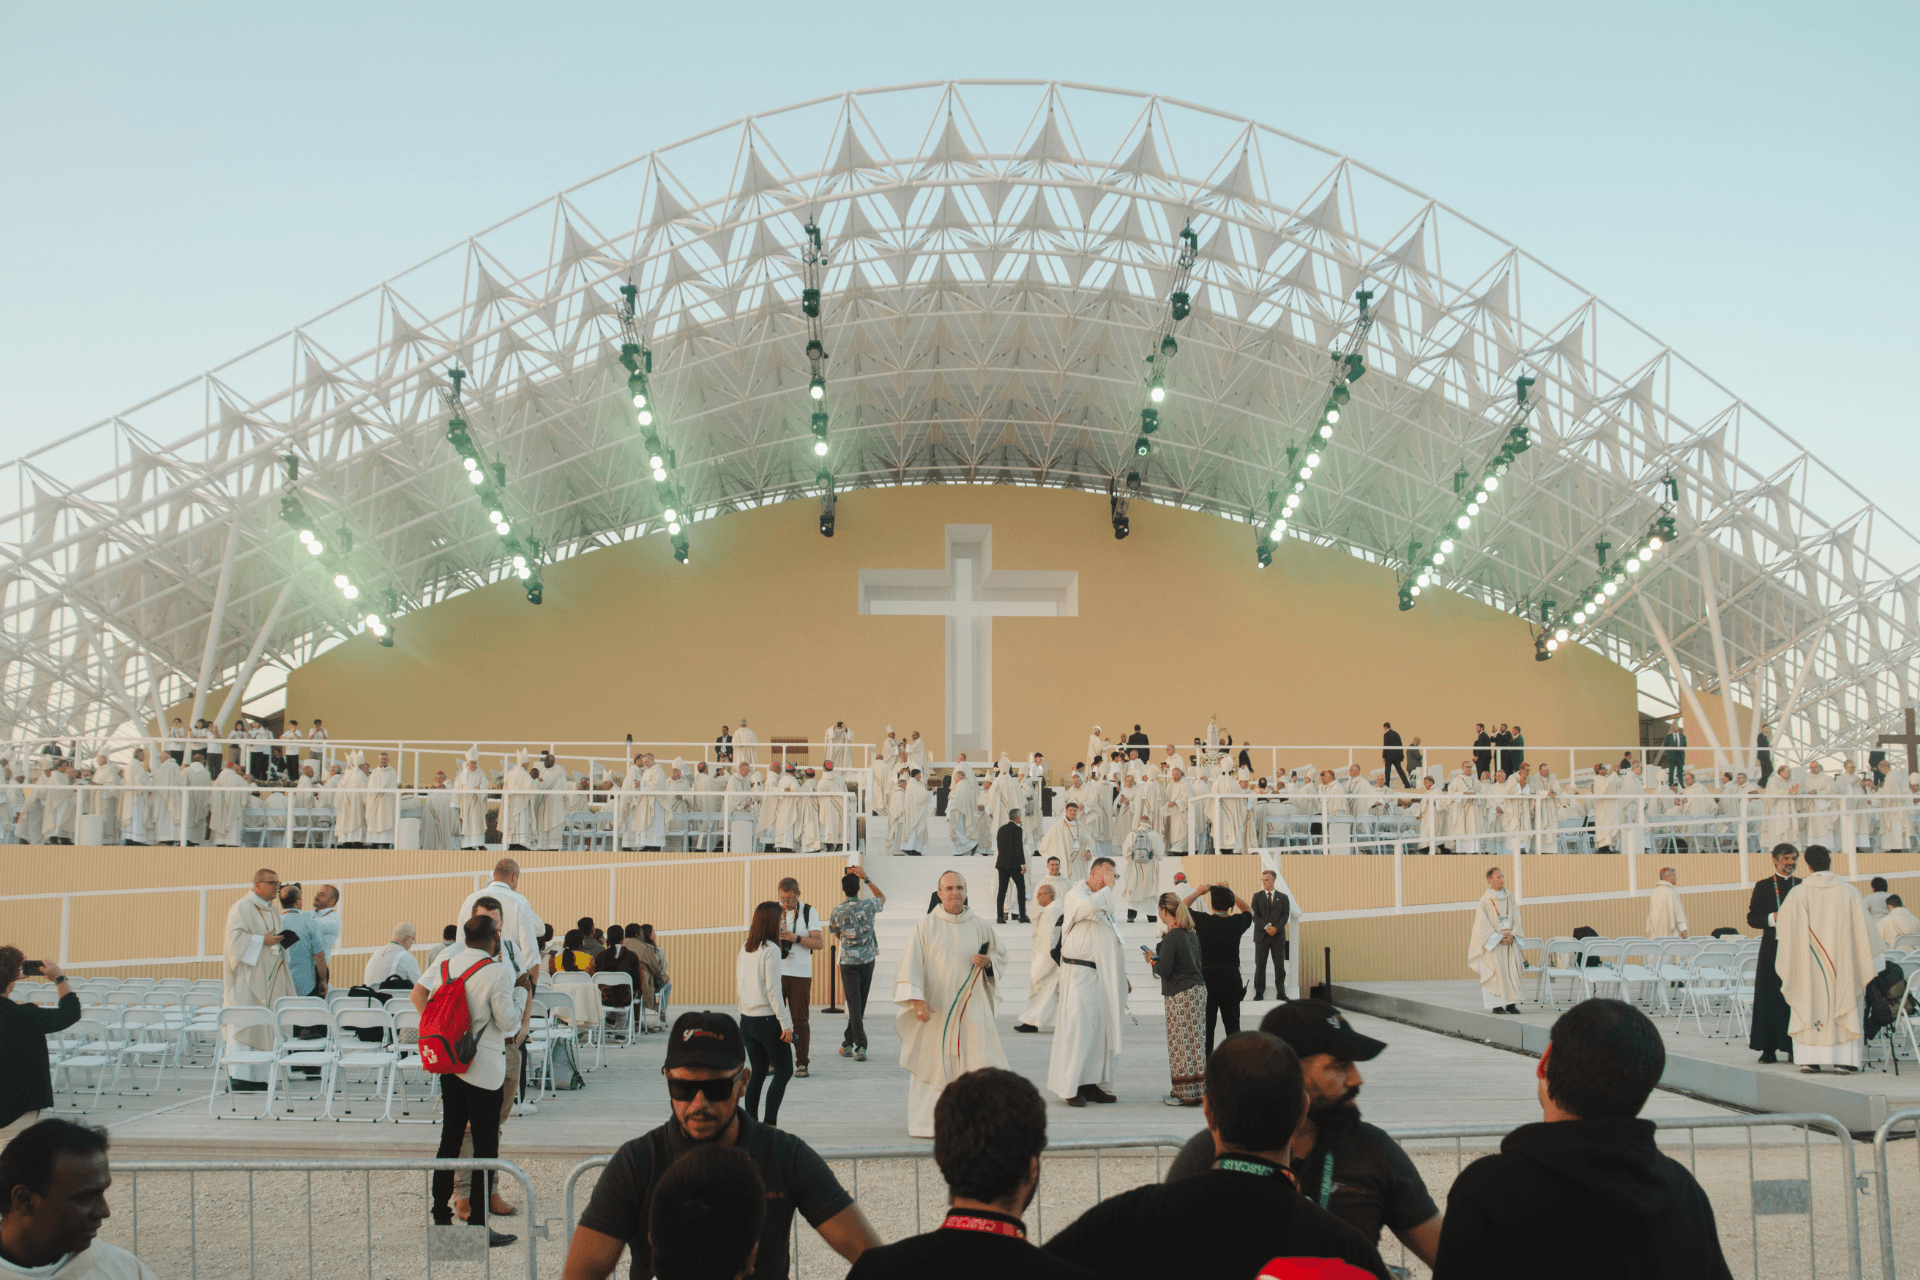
1335,1121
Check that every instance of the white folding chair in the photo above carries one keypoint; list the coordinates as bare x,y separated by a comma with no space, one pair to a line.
406,1048
356,1053
295,1052
87,1045
1537,948
236,1019
1639,966
1709,984
584,997
622,1019
1599,966
148,1034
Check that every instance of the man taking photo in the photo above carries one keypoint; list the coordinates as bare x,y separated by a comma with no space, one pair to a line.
706,1070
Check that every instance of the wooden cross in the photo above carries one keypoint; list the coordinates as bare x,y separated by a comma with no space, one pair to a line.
1910,740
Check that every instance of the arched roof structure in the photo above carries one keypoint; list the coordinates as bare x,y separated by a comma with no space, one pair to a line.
998,262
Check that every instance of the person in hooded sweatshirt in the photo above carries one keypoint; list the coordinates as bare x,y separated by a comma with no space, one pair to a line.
1560,1195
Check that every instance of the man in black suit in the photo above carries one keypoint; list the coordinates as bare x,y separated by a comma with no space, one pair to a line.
1010,861
1138,741
1271,910
1394,758
1503,755
1763,754
1482,751
1768,1032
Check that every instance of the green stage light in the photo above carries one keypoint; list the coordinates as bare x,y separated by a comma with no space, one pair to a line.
1157,389
817,388
1142,446
1182,304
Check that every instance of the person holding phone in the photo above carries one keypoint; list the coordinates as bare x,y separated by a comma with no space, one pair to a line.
1176,962
26,1076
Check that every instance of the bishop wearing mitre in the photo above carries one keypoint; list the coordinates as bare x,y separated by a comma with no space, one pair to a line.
1493,951
945,986
255,969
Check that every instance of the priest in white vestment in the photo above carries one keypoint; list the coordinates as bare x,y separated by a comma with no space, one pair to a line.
963,804
1003,796
1894,803
228,810
169,802
470,801
1067,841
746,744
1493,951
199,799
1781,821
1093,993
436,815
1666,914
839,740
741,800
1178,815
915,809
1223,813
1819,810
136,801
55,794
1141,854
1033,786
946,987
1043,975
349,813
255,967
380,803
1825,961
1898,923
519,822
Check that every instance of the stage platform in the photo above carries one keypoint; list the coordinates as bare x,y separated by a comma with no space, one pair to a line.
1723,1071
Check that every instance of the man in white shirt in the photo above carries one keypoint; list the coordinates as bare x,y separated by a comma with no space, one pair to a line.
51,1220
395,960
800,937
473,1100
520,927
326,921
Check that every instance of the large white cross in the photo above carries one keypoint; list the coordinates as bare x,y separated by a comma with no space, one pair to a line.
970,593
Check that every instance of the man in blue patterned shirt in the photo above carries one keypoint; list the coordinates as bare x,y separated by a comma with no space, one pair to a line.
852,924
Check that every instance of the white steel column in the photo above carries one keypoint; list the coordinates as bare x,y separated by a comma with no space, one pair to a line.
1719,653
1681,682
215,620
253,658
1800,676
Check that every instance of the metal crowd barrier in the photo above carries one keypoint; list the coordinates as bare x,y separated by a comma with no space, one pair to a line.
281,1234
1882,1191
267,1247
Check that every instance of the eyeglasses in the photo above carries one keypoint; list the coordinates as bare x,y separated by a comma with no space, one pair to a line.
715,1090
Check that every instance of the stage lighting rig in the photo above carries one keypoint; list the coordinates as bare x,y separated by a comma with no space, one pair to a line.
1610,580
1120,502
1160,358
1349,366
828,502
1472,496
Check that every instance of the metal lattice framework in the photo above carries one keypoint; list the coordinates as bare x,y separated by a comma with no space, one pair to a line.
998,263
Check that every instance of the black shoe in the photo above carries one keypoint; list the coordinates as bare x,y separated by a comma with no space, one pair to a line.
1094,1093
1131,915
1076,1101
248,1086
1499,1008
1024,1028
1023,920
1513,1008
1259,995
1001,920
1768,1059
495,1240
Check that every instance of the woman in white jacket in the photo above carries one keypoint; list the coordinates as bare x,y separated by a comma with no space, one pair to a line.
764,1020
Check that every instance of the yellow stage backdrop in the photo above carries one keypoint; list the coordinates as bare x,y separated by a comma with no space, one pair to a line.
160,913
1172,624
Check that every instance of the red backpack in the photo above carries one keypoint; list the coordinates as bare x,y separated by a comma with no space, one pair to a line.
448,1041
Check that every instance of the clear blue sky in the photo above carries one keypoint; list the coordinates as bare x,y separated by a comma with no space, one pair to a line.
184,181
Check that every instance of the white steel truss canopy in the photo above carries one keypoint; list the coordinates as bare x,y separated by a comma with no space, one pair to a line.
998,262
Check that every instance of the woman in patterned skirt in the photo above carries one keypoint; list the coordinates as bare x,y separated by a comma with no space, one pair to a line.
1177,965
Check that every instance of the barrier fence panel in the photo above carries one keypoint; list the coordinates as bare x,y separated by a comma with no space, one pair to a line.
1902,1237
322,1219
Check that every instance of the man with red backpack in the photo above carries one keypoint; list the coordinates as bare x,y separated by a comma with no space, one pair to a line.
466,1012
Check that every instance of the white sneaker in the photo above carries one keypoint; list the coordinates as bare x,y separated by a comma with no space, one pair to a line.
524,1109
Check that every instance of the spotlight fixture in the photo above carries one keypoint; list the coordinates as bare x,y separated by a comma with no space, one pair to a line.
1142,446
1157,389
829,501
681,551
1543,647
820,434
1406,599
1263,551
817,388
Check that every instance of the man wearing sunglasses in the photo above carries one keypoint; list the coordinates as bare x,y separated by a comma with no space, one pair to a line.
706,1070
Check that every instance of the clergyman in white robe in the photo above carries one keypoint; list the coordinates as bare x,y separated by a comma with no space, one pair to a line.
380,811
1086,1047
470,801
255,967
1043,975
746,744
1141,854
1666,914
1825,961
1067,840
946,988
229,808
1493,951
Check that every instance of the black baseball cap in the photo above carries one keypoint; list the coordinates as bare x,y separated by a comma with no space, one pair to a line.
1314,1026
705,1040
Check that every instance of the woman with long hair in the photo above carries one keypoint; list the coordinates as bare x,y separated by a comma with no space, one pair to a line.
764,1020
655,983
1177,965
572,956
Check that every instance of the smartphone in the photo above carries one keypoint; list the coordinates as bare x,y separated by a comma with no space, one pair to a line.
33,968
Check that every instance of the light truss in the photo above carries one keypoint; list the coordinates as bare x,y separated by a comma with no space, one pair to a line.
1000,258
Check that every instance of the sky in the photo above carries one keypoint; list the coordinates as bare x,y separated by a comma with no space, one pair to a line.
183,182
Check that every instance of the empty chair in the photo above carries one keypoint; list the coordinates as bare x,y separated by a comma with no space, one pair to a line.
1639,967
87,1045
306,1052
1600,966
1559,960
1708,988
358,1052
231,1054
148,1033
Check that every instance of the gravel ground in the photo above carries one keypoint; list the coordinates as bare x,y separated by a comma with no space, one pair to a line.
338,1219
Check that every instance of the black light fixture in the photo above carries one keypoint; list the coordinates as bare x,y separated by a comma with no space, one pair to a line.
1263,551
1406,599
1542,648
829,503
680,549
1142,446
820,435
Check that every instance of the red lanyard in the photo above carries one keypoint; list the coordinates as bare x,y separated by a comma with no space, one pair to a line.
992,1226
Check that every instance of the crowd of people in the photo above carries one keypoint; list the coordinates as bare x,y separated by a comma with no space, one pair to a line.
1285,1179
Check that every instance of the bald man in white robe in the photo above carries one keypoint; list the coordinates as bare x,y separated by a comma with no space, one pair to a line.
228,809
1093,998
946,987
913,809
746,744
519,800
255,968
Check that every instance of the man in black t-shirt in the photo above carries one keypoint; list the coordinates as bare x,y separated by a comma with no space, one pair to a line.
1242,1212
989,1129
1220,931
1351,1169
707,1075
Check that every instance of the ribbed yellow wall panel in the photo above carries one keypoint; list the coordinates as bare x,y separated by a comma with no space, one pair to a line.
702,967
1437,878
1871,864
562,897
702,895
1411,947
1339,882
370,909
1553,874
819,877
33,925
134,928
